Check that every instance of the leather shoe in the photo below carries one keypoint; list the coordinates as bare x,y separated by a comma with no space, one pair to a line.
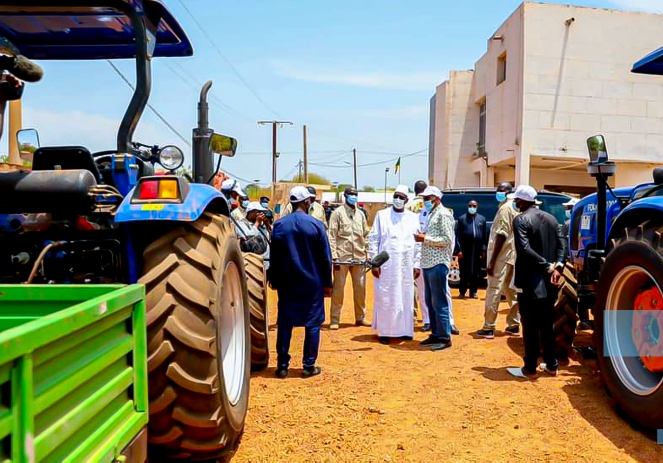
455,330
363,323
313,371
282,373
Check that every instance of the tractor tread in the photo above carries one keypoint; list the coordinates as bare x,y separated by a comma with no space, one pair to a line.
257,290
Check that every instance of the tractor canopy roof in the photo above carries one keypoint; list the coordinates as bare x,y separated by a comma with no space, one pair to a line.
89,29
650,64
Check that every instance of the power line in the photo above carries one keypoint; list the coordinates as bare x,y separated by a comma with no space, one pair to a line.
232,67
156,113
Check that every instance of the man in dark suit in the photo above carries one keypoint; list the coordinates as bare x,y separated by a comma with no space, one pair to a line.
540,256
471,239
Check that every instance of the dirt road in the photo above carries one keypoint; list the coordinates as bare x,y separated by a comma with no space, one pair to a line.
405,403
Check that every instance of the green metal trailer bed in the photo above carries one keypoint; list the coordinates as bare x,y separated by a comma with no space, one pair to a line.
73,373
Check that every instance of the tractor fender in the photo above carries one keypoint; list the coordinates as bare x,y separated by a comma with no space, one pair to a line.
199,198
635,214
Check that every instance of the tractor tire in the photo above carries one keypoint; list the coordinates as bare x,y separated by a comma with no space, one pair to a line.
198,341
566,314
256,280
634,264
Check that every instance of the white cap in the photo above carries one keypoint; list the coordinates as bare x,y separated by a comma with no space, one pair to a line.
232,185
254,206
432,191
299,194
402,189
524,193
571,202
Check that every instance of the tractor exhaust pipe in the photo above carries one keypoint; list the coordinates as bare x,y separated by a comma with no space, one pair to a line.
203,162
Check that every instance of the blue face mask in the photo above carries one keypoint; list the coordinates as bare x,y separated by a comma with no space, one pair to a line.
265,205
568,213
515,206
245,203
351,200
428,205
472,210
500,196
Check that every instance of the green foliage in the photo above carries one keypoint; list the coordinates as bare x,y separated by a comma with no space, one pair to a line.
313,179
368,188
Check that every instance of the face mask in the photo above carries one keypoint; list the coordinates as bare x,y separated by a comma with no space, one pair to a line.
351,200
500,196
399,203
472,210
245,204
265,205
515,206
568,214
428,205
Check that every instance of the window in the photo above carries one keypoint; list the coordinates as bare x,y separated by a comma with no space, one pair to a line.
501,68
481,146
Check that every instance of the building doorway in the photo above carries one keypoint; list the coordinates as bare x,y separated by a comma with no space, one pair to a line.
581,191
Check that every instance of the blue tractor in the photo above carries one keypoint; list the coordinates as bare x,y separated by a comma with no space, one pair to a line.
81,217
616,244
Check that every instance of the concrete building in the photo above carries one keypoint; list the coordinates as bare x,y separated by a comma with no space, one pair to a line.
552,76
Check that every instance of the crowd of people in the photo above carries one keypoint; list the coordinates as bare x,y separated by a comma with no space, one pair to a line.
310,250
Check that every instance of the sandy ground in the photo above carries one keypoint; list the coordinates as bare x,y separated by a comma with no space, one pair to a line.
405,403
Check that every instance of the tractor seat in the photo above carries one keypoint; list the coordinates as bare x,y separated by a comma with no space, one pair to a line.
65,158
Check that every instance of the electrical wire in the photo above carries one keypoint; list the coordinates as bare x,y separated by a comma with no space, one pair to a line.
232,67
156,113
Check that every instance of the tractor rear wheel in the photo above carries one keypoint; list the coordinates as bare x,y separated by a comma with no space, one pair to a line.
198,341
628,319
256,281
566,314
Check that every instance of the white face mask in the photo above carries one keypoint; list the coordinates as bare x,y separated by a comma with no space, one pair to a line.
399,203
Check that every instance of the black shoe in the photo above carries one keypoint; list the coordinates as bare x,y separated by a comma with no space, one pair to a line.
486,334
513,330
430,341
441,346
282,373
461,295
406,338
454,330
426,327
312,371
474,296
384,340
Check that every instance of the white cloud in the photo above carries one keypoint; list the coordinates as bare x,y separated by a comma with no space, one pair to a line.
654,6
96,132
378,79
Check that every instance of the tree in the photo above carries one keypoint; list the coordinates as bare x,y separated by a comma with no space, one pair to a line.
368,188
315,179
341,188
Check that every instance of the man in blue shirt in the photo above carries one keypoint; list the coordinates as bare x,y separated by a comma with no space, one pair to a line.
301,272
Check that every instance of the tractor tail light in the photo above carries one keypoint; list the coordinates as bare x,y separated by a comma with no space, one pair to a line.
149,190
168,189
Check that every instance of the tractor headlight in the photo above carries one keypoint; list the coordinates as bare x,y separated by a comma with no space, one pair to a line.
171,157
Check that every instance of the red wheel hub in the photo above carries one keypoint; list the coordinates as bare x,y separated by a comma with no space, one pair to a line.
647,328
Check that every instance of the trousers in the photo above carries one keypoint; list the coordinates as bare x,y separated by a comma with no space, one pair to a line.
358,276
421,295
435,279
311,346
498,285
538,319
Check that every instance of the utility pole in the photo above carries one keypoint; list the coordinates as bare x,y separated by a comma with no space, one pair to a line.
305,154
386,171
354,154
274,152
299,166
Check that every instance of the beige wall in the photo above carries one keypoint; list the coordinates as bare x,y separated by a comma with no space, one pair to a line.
577,82
455,125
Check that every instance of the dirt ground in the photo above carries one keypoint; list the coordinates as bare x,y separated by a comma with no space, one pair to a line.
403,402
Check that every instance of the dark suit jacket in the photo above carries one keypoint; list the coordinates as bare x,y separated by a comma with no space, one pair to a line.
539,242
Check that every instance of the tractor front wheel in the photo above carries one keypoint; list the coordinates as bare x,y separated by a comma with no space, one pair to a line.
256,279
198,341
628,319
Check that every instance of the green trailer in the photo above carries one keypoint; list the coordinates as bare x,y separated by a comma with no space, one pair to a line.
73,373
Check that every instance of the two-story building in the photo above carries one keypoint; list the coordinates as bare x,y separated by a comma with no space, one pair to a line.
552,76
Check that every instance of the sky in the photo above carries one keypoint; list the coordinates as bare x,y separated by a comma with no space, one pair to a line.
359,74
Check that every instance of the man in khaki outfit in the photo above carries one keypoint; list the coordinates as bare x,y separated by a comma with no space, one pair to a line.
348,231
316,210
499,268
